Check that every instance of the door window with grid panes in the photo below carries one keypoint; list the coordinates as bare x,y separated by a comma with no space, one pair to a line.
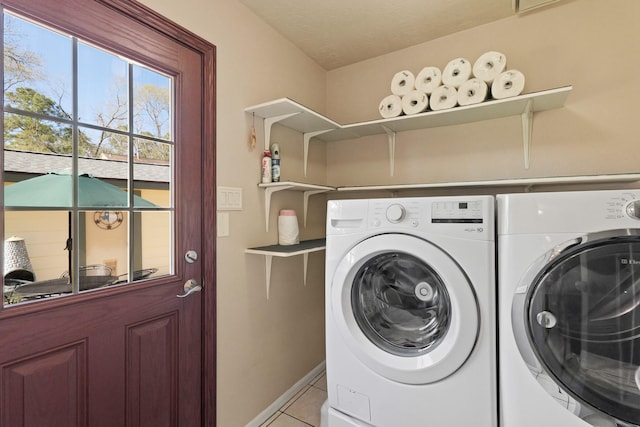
88,166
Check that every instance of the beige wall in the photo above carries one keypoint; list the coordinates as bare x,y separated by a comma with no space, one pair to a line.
584,43
264,346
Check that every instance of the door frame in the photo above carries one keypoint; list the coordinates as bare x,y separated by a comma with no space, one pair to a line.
142,14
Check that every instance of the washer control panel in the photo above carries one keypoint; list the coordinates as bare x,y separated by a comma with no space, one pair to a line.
457,212
416,213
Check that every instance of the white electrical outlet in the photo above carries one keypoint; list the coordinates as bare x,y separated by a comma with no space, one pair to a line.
229,199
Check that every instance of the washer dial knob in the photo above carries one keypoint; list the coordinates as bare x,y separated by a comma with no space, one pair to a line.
633,209
395,213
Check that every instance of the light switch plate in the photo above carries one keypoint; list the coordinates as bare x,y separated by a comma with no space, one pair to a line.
229,199
223,224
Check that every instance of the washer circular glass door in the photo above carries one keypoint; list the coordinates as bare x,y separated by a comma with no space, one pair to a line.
405,308
581,313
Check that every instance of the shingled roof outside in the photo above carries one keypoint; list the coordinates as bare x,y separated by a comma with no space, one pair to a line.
25,162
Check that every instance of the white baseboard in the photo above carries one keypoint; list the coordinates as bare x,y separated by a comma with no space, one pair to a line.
286,396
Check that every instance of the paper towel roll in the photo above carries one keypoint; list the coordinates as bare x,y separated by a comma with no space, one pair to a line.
473,91
507,84
402,83
428,79
489,66
390,106
415,102
444,97
456,72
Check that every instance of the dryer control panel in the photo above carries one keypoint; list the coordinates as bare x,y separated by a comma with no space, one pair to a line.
633,209
623,205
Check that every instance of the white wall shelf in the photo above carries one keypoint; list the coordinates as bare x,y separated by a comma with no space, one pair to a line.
303,248
295,116
528,183
312,124
307,189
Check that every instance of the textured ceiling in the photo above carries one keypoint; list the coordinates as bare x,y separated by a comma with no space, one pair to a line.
336,33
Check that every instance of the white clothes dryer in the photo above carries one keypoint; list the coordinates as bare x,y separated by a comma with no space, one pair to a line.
410,312
569,308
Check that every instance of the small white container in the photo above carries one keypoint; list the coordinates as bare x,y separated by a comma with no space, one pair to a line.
288,232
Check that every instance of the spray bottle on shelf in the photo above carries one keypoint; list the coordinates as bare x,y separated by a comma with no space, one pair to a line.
275,162
266,167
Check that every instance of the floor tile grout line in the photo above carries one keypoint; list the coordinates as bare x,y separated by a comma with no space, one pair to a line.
274,419
295,398
280,413
301,395
298,419
315,386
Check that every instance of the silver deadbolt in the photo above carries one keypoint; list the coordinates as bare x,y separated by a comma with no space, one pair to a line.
190,286
191,256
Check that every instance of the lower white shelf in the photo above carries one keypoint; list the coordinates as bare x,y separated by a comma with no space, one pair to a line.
303,248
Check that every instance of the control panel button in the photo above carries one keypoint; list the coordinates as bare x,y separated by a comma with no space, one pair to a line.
395,213
633,209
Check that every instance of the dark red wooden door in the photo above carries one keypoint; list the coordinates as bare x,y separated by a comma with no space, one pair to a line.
129,355
129,359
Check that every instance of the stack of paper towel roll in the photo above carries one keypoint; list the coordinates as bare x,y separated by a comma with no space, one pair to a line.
459,83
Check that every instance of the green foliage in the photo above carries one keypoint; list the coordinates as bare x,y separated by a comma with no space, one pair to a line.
32,133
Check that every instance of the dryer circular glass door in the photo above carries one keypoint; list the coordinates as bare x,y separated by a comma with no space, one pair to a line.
405,308
580,309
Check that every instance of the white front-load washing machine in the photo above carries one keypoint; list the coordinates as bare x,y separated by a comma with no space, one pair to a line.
569,316
410,312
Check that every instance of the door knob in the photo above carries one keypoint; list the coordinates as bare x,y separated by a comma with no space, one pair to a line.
190,286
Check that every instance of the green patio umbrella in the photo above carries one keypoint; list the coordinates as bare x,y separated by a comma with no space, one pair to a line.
55,189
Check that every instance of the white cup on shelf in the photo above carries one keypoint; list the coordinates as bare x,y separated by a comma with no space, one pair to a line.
288,231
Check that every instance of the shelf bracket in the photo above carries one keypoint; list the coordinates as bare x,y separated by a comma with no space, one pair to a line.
269,121
305,263
391,135
307,137
306,196
527,126
267,265
267,201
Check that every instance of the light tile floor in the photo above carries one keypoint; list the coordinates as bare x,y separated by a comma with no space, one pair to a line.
303,409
